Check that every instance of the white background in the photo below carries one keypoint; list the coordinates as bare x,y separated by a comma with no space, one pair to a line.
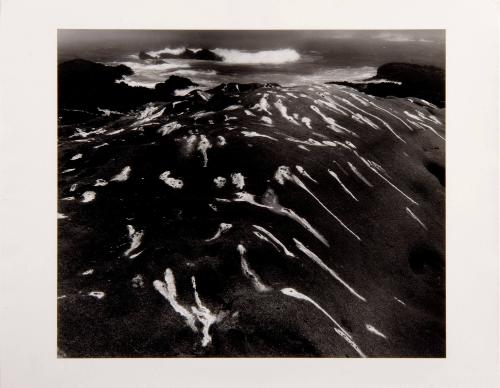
28,156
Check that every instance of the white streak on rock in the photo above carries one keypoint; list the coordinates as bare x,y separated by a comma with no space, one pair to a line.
384,178
274,240
135,238
359,175
77,156
303,172
249,273
263,105
88,196
283,173
238,180
412,215
169,128
61,216
100,145
88,272
223,227
67,170
283,110
172,182
303,147
320,262
115,132
96,294
73,187
400,301
307,122
220,182
203,147
123,175
256,134
204,316
267,120
371,329
100,182
338,329
232,107
248,113
68,199
331,122
341,184
221,141
169,292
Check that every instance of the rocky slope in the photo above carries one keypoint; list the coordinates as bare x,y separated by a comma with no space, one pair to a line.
254,221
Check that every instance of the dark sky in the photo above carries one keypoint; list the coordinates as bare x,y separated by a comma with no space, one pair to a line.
259,39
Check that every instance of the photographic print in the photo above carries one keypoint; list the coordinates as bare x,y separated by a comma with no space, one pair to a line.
251,193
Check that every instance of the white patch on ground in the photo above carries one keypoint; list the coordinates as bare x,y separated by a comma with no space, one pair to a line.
223,228
213,207
249,273
148,114
307,122
88,196
371,329
303,172
203,314
100,182
248,113
256,134
68,170
73,187
320,262
135,238
172,182
123,175
284,173
220,182
77,156
221,141
338,329
238,180
88,272
169,292
169,128
291,95
68,199
203,146
263,105
341,184
362,119
303,147
359,175
412,215
283,110
273,240
61,216
267,120
96,294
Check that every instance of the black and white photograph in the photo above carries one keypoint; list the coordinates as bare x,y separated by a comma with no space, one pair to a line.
251,193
